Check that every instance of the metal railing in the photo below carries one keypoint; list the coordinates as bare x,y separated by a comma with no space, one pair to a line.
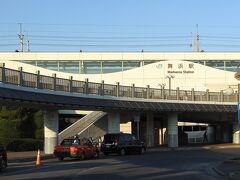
20,78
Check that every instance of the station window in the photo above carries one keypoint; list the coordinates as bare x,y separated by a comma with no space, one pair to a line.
233,66
91,67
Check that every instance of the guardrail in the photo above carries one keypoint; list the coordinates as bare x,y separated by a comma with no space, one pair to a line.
18,77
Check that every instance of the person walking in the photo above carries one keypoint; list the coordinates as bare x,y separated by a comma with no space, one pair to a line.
205,139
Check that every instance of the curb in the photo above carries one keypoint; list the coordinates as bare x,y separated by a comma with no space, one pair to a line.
29,159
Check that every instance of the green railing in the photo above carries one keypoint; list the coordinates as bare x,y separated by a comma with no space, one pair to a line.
18,77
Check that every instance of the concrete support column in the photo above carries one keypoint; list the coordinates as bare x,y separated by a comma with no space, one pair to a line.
236,134
136,119
226,133
150,130
50,130
210,134
113,122
172,130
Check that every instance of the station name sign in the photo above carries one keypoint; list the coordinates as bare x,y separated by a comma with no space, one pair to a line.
179,68
181,72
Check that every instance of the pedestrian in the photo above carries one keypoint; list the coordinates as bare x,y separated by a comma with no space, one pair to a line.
205,139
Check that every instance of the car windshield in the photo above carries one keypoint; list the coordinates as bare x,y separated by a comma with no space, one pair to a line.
109,138
70,142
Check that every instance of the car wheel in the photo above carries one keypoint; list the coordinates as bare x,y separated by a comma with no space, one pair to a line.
122,152
142,150
60,158
82,157
3,165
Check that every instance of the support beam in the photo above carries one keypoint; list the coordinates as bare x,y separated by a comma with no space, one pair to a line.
113,122
150,130
172,130
50,130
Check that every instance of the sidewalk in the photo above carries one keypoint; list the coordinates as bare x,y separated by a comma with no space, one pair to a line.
26,156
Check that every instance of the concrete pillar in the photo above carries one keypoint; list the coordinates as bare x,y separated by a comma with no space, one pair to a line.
136,119
50,130
226,130
236,134
210,134
172,130
113,122
149,130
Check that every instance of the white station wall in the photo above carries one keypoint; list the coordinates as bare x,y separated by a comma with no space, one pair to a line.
186,74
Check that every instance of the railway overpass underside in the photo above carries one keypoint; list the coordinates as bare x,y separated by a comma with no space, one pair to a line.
159,128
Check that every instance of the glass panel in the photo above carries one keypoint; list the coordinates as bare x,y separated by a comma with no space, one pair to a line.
232,65
91,67
69,66
112,66
215,64
130,64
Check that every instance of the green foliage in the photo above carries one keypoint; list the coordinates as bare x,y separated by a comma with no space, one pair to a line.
21,123
23,144
38,121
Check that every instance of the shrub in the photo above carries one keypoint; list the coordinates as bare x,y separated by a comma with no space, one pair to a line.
23,144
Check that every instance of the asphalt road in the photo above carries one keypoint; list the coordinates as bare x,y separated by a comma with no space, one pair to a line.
185,164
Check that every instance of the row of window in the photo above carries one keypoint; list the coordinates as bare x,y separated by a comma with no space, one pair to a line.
97,67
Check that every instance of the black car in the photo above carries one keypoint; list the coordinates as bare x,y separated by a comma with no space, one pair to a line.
122,143
3,158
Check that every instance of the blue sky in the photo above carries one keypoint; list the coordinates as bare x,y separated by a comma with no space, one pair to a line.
120,25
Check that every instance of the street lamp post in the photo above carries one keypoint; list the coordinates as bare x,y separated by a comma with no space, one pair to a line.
170,77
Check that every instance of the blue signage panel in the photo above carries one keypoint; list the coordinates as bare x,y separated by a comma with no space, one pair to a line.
238,114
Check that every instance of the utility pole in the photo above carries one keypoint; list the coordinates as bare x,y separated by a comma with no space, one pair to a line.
20,35
198,40
27,42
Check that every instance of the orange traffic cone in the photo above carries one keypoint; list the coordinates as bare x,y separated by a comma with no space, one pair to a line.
38,161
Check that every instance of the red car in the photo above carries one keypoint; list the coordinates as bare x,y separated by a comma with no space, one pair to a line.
76,148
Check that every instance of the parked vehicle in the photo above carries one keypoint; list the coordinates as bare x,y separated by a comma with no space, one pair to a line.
76,148
3,158
122,143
